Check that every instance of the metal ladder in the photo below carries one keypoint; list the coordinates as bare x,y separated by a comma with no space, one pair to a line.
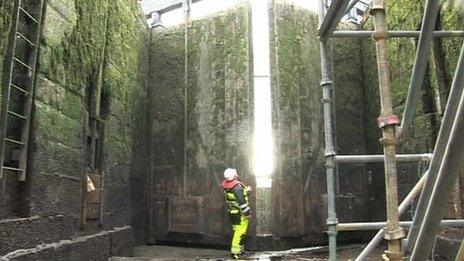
18,86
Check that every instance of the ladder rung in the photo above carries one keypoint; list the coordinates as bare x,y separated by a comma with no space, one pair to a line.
15,141
22,63
17,115
20,89
28,15
26,39
12,169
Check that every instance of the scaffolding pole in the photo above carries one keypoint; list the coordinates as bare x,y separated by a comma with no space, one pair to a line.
381,158
388,123
350,6
417,77
440,145
360,226
327,94
329,22
394,34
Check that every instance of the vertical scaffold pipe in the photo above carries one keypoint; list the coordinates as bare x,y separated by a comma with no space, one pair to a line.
326,84
387,122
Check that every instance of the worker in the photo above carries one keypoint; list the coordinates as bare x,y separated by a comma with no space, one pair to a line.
236,195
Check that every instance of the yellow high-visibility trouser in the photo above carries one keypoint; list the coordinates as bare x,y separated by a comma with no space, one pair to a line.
240,231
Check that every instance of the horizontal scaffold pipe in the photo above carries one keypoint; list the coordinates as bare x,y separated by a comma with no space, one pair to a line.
368,34
381,158
378,225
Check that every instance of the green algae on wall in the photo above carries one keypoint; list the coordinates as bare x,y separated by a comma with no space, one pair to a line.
218,111
6,12
127,105
219,118
86,45
297,120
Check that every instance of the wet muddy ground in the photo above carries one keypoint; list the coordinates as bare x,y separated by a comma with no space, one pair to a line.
171,253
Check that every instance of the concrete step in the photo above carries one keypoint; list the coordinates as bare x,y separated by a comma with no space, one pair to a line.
96,247
24,233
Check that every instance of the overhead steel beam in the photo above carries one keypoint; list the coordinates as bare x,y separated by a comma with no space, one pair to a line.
164,6
332,17
429,21
381,158
359,226
395,34
449,170
440,146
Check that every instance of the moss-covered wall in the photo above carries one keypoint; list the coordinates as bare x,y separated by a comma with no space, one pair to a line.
218,128
298,185
6,8
80,39
87,45
218,131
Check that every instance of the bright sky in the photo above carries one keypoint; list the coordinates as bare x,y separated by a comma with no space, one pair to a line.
308,4
206,7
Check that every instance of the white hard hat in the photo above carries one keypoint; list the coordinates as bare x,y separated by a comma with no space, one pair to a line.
230,174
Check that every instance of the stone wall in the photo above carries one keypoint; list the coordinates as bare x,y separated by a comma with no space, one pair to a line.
5,23
86,45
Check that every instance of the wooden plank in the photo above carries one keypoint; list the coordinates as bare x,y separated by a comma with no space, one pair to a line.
94,197
93,212
185,215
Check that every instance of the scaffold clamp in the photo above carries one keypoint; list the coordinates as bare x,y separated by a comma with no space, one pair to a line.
326,82
390,255
394,235
331,221
384,121
377,5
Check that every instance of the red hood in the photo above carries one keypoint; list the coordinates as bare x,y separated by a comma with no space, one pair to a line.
229,184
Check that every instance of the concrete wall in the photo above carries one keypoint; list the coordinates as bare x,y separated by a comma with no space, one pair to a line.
218,124
84,44
299,178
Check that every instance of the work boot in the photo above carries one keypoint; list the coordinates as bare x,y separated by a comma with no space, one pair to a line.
235,256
